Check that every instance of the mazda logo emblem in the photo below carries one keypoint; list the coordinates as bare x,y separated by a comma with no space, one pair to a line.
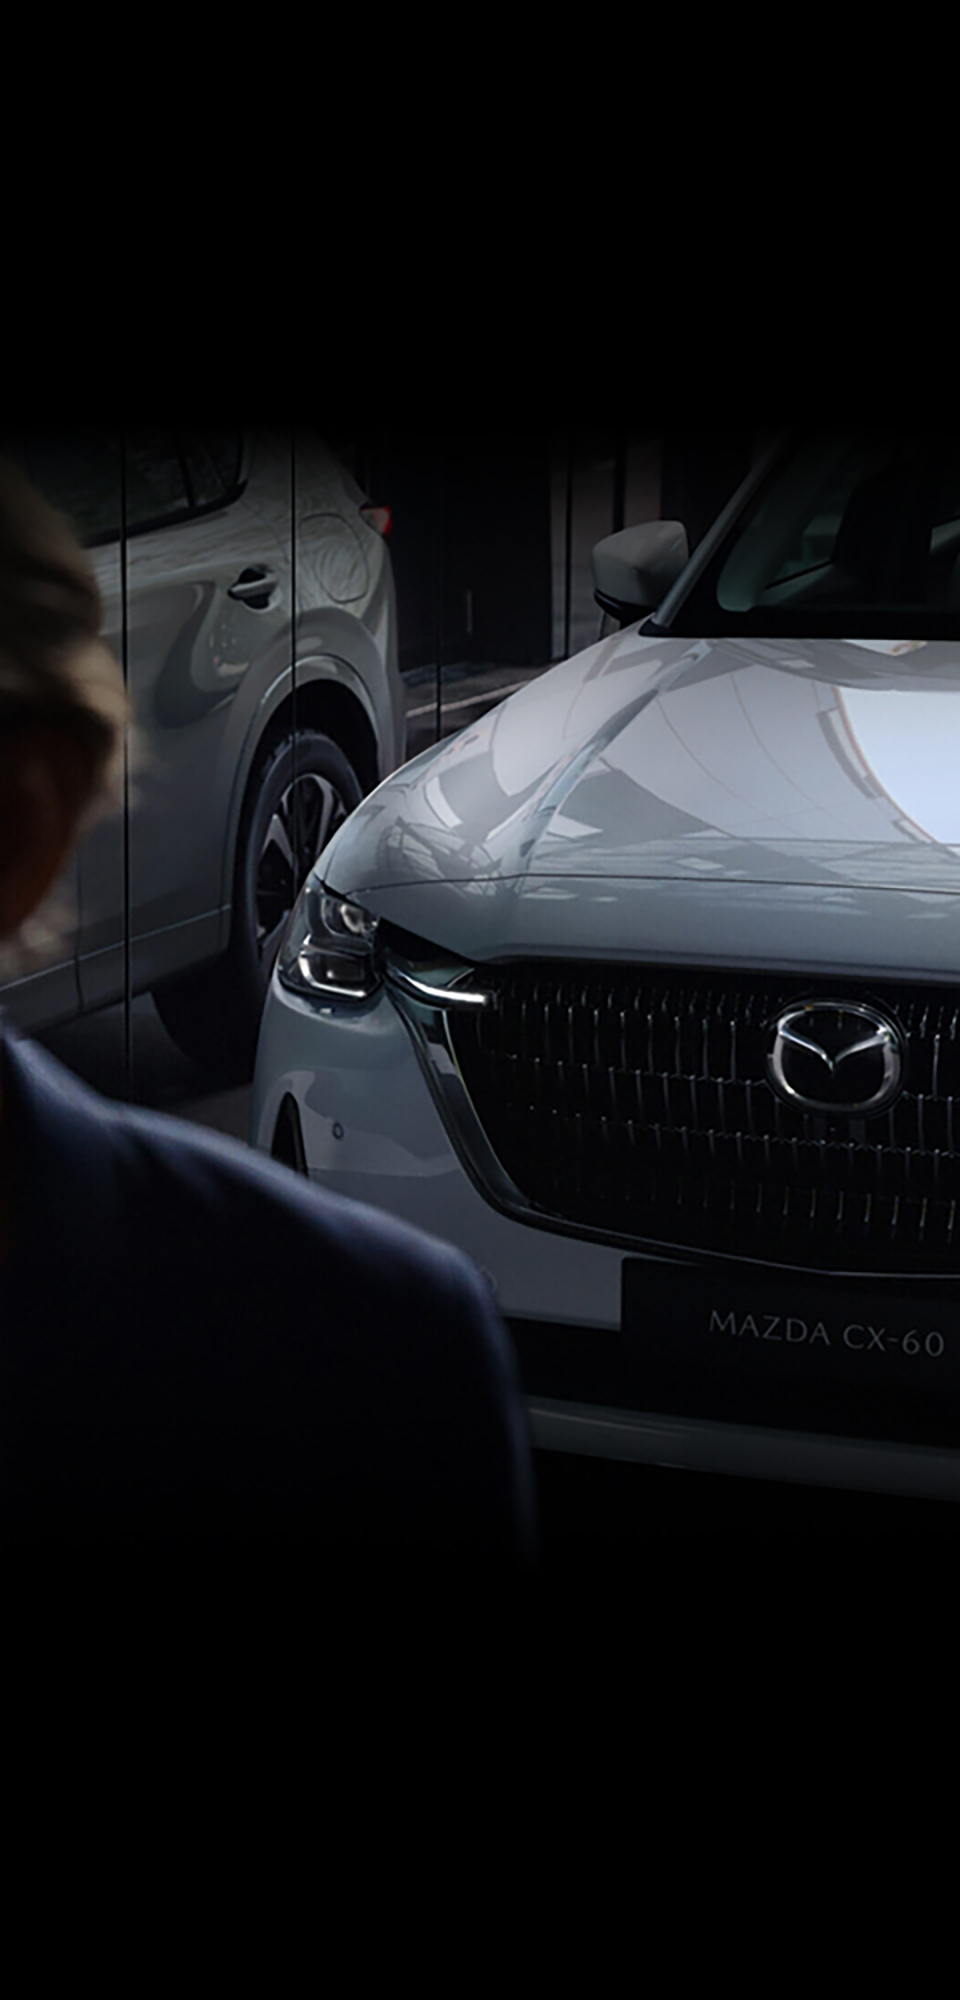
836,1056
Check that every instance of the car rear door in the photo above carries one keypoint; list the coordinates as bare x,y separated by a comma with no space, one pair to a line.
207,595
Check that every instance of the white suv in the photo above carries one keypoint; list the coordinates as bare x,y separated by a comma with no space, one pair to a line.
645,991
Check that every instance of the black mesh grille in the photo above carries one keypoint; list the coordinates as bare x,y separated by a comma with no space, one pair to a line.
636,1102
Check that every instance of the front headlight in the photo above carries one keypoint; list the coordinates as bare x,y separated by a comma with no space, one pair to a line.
329,947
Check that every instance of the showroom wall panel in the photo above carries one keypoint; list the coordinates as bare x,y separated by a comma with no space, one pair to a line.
295,612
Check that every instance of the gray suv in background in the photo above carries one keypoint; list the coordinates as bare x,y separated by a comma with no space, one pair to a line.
255,588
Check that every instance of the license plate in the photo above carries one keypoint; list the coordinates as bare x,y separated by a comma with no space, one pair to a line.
842,1355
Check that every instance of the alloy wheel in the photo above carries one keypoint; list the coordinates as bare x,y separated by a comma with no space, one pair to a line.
305,817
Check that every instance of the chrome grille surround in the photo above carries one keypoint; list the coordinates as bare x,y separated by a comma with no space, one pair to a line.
631,1104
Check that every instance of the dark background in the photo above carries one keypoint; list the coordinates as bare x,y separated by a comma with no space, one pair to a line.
492,536
481,514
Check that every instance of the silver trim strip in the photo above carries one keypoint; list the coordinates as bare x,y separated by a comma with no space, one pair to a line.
429,1030
923,1472
434,996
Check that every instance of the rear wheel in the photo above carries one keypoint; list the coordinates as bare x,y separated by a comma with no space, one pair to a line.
301,792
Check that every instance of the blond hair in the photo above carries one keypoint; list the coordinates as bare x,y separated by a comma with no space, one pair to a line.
56,674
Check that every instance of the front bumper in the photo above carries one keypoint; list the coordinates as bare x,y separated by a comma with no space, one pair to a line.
372,1131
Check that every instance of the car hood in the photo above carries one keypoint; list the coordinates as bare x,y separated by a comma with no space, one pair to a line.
725,800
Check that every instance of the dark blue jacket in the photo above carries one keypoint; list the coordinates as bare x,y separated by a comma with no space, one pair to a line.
197,1345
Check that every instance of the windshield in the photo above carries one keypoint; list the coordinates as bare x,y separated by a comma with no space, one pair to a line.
847,536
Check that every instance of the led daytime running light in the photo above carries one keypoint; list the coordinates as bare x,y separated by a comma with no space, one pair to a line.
329,947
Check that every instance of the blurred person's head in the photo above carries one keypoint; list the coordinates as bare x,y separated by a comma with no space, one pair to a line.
63,712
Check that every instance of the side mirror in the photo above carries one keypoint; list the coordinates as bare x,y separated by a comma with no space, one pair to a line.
633,571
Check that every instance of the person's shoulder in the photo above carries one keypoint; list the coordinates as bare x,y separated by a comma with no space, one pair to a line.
176,1196
215,1183
256,1238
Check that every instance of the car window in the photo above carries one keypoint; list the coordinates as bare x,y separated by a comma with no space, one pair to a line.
813,546
346,454
155,484
212,460
79,474
843,530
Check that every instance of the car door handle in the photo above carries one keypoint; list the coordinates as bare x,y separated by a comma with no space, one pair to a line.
254,583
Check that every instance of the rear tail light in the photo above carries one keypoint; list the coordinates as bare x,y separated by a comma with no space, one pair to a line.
380,518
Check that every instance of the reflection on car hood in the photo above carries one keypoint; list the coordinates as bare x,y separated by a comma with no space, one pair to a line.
601,808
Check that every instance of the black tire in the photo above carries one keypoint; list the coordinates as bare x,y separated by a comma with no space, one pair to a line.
298,795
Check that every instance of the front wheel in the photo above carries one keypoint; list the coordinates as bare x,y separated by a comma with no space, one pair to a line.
302,791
